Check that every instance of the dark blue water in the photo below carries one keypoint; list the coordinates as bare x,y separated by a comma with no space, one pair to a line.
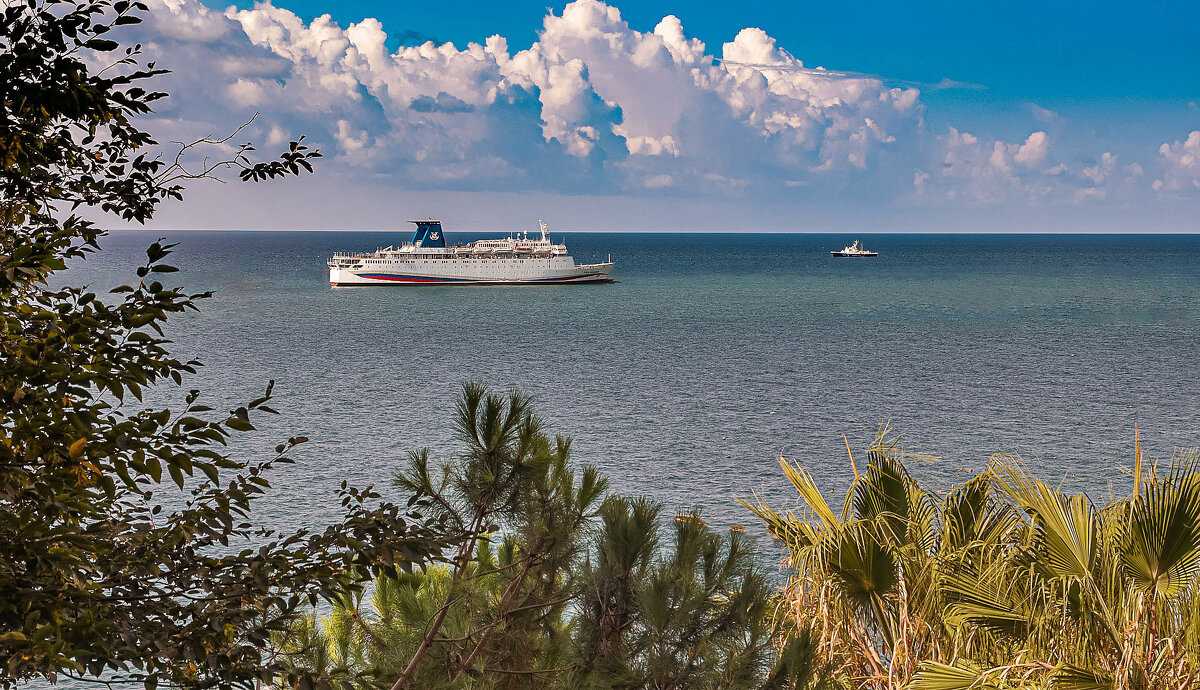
710,356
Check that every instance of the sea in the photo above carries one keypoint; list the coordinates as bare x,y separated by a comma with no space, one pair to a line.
711,356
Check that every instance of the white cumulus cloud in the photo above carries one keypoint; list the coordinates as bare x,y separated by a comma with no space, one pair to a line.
598,106
1180,162
594,103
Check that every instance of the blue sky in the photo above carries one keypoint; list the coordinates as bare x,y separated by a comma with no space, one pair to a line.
1061,53
925,115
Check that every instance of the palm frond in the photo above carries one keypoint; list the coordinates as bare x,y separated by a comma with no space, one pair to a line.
933,675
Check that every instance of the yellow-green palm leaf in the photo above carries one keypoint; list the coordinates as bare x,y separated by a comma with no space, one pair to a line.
1160,552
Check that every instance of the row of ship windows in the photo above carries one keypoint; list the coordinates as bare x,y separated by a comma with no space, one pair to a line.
453,261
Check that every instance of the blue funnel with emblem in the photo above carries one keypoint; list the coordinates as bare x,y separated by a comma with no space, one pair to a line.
428,234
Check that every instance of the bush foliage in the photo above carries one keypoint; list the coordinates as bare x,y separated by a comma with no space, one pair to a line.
96,580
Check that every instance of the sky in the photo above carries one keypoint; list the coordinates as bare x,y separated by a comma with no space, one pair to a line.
666,115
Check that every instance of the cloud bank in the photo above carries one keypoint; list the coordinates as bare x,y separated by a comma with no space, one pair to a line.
596,106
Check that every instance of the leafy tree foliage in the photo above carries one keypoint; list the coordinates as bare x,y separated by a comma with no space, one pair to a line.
96,579
558,586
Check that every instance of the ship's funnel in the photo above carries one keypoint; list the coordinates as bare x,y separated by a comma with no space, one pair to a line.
428,234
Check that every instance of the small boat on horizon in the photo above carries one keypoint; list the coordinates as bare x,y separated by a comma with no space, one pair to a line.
854,250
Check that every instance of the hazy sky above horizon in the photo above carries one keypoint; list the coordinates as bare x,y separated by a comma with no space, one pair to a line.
660,115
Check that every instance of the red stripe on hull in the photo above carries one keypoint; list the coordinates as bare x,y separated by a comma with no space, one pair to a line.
435,281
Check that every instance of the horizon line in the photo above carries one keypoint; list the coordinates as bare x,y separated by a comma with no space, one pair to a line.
690,232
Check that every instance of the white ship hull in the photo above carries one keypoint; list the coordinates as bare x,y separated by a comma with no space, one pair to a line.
471,271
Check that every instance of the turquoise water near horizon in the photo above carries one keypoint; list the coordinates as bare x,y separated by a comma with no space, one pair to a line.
712,354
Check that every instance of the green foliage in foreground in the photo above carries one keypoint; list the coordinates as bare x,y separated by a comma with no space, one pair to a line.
558,585
1004,582
96,580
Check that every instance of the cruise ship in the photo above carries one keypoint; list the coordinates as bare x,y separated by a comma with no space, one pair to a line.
427,260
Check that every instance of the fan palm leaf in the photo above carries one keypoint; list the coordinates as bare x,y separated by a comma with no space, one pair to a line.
1066,526
1160,550
979,602
865,571
1069,677
932,675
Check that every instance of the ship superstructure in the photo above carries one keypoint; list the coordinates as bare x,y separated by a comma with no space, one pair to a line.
854,250
427,260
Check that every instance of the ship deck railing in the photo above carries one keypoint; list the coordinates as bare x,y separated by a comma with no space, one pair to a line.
455,252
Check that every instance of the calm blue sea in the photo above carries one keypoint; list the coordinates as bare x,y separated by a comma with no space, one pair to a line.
710,356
